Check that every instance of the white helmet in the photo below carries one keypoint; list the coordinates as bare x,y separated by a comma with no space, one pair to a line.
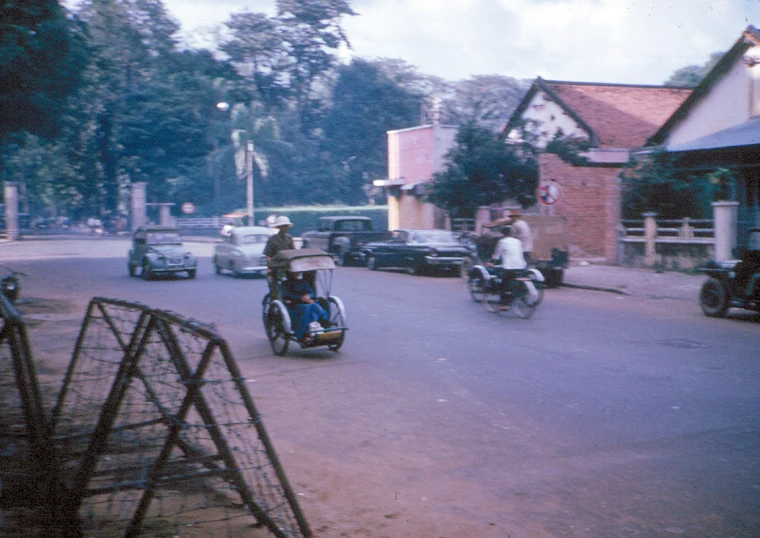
282,221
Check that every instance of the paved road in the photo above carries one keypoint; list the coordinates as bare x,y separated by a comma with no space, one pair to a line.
604,415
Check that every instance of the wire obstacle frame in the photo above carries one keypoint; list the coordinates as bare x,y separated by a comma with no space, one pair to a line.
154,423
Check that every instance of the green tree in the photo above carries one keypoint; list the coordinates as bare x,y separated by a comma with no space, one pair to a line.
483,170
42,53
366,104
655,185
691,75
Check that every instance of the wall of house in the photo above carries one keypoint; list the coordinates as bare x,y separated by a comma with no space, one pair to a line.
415,155
549,118
591,202
729,102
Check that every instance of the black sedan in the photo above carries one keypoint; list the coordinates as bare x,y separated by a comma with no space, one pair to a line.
418,251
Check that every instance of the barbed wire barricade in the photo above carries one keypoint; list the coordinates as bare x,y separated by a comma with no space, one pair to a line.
27,465
155,428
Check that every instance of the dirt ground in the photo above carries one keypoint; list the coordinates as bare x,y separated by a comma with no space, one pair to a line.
339,498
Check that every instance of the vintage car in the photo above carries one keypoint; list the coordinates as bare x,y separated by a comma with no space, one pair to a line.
158,250
733,283
418,251
241,252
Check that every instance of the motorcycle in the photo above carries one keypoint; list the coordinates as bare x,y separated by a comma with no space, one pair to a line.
10,285
522,295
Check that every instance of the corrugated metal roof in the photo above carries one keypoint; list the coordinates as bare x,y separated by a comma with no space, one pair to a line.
745,134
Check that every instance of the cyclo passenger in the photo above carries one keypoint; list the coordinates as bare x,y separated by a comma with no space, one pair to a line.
299,297
509,254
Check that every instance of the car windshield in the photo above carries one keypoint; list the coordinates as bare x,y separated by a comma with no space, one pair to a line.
252,239
433,236
164,238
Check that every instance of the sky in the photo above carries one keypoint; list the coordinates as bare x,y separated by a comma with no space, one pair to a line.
613,41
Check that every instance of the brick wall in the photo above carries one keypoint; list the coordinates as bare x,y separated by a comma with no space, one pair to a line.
591,202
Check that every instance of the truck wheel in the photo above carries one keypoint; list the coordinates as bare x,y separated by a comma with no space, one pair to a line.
713,298
553,277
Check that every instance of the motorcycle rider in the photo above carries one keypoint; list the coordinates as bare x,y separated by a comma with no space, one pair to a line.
509,254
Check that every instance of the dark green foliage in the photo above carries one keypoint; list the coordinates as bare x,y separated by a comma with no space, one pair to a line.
41,57
570,150
366,104
655,185
691,75
483,170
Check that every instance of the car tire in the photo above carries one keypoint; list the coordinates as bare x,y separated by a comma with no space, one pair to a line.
713,298
413,269
191,274
146,272
217,268
132,270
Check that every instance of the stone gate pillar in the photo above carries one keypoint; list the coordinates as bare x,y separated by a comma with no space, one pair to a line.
10,193
139,214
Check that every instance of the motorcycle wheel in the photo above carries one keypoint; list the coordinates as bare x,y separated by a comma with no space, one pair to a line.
476,284
492,301
713,298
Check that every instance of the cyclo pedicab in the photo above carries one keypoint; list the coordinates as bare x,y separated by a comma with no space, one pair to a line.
286,318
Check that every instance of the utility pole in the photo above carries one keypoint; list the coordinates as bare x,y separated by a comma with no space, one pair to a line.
249,185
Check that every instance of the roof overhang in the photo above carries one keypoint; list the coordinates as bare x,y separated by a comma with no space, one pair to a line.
742,135
388,182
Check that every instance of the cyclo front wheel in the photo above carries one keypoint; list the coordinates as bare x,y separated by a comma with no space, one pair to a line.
275,324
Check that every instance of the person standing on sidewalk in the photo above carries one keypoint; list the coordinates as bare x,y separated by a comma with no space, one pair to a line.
521,231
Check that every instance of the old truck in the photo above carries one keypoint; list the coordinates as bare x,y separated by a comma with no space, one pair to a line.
343,237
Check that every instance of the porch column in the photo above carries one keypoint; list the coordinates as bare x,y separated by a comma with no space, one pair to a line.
725,222
650,238
10,193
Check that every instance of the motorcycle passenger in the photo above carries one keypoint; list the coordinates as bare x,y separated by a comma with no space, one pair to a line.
509,254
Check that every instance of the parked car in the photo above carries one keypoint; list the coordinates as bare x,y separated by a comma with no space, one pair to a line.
241,251
343,237
733,283
158,250
418,251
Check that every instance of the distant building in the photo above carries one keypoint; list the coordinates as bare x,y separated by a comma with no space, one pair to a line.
718,126
613,119
414,155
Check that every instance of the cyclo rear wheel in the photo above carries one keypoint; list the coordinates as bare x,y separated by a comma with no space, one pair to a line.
337,319
525,304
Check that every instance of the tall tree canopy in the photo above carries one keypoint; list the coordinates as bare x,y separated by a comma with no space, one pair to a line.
42,53
483,170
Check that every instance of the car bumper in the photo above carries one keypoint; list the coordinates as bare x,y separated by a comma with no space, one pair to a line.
437,261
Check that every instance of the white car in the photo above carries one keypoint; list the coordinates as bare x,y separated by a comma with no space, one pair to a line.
241,252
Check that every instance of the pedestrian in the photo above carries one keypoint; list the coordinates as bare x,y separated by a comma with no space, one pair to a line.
521,230
282,240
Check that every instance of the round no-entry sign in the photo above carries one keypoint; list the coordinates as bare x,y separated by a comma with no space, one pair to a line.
549,193
188,208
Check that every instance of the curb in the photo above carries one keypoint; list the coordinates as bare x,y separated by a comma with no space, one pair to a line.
594,288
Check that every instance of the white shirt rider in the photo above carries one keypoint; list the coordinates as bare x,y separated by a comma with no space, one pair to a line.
509,250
